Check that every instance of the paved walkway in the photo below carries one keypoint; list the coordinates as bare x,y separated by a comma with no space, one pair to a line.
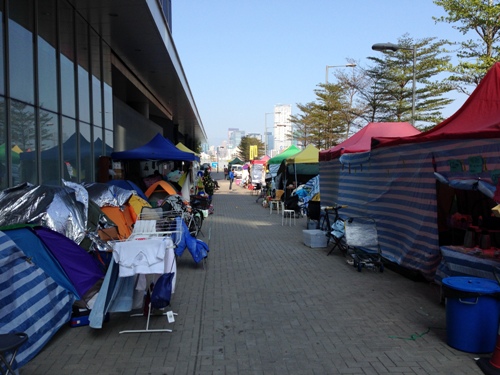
267,304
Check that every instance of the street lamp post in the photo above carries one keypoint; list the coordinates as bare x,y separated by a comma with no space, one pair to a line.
394,47
337,66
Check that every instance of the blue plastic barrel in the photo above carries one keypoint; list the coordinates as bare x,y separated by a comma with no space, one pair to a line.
472,313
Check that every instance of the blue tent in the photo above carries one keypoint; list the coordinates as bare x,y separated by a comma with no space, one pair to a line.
159,148
128,185
32,302
40,255
81,267
62,259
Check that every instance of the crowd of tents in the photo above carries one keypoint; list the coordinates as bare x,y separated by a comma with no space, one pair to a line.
56,243
411,182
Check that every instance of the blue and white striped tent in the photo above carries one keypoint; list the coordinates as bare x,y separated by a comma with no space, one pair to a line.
30,300
395,184
397,187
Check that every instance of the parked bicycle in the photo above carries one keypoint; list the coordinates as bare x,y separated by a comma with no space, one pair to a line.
194,221
264,193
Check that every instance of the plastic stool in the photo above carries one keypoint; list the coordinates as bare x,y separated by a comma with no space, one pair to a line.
288,214
10,342
273,203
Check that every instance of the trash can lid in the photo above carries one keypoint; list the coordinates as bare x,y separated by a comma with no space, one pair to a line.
472,284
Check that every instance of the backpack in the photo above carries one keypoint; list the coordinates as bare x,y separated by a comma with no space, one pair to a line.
162,291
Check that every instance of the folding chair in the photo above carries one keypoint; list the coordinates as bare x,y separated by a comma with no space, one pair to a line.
10,343
334,229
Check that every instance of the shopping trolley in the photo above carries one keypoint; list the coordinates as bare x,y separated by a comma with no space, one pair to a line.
362,243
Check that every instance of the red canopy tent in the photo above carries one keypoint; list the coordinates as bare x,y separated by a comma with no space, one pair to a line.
362,140
479,116
263,160
404,186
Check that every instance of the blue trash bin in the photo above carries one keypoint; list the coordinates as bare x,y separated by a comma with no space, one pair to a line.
472,313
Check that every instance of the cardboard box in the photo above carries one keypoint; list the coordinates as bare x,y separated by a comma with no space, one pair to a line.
315,238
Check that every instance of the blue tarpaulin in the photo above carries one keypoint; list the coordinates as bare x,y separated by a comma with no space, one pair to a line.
198,249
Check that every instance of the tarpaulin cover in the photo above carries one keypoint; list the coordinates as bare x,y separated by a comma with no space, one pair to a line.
258,173
58,208
159,148
197,248
108,195
31,301
362,140
479,116
311,188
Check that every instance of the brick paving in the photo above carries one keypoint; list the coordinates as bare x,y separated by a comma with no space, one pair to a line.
266,304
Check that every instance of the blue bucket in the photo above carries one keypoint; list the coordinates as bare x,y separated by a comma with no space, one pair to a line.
472,313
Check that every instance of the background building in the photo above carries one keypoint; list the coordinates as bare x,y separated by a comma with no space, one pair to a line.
282,128
255,135
234,136
82,78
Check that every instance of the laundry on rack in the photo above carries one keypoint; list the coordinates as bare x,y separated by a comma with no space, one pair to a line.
140,257
170,266
144,226
122,294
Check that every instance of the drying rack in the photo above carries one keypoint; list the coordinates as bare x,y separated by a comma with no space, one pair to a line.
154,223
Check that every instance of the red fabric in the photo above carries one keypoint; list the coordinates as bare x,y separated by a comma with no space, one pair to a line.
261,162
496,198
362,140
479,116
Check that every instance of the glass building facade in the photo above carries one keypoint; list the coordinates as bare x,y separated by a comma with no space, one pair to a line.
77,82
56,110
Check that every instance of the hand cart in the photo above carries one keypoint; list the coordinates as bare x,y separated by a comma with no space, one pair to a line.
362,244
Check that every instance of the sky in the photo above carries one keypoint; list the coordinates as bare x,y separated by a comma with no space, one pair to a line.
241,58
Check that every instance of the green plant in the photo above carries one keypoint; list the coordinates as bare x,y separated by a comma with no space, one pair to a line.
209,184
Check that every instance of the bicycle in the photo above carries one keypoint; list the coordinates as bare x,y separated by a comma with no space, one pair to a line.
334,232
264,193
194,221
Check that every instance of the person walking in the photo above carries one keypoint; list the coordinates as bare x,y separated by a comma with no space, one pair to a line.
231,179
226,171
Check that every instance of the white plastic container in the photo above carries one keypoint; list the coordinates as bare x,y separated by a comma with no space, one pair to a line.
314,238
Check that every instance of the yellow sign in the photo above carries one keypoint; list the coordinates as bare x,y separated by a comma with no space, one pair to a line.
254,152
